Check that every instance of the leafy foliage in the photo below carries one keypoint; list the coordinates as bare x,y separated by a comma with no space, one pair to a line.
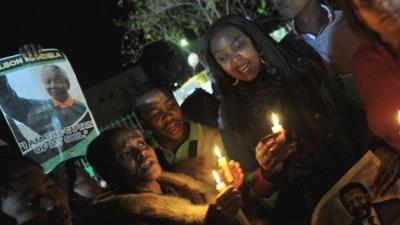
153,20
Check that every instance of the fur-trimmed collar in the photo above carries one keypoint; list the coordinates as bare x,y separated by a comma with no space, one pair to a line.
209,191
148,208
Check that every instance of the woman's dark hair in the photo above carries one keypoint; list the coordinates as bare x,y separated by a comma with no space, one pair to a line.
358,26
284,78
101,157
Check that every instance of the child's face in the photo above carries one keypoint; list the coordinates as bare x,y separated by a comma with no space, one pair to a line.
32,196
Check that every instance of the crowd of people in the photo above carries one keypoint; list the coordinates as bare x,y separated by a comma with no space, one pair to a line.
165,177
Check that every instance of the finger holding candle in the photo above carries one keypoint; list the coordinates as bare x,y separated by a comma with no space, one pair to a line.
237,173
223,163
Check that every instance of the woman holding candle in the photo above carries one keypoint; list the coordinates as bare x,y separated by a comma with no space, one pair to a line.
144,194
256,78
376,68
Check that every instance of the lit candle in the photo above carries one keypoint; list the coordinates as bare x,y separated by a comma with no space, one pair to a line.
223,163
241,218
276,127
220,184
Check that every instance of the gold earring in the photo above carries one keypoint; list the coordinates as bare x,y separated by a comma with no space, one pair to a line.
261,58
236,82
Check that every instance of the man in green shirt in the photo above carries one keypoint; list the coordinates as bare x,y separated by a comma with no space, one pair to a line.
181,145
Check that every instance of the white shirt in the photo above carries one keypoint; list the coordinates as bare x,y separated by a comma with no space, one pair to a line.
335,43
375,217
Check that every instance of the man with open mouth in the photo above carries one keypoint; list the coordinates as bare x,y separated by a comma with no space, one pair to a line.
181,145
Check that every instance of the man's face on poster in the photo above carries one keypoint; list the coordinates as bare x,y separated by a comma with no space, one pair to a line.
56,85
357,203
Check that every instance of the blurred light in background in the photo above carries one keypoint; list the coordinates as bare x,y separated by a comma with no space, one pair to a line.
199,80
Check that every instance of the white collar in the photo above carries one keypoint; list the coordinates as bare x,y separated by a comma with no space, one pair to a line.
331,17
374,215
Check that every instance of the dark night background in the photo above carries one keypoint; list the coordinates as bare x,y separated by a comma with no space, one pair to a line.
83,30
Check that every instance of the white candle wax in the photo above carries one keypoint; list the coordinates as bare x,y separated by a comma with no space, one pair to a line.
220,185
223,163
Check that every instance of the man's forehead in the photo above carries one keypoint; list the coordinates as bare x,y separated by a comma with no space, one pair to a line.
355,192
152,97
48,74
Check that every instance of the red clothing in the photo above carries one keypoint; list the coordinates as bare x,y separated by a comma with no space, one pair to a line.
260,186
377,76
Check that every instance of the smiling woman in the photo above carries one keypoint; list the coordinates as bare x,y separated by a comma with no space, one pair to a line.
272,78
235,53
376,71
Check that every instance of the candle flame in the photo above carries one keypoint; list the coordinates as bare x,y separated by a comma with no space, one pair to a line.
217,152
216,177
275,120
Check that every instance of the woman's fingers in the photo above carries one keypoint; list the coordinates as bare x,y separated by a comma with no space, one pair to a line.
229,202
270,136
237,173
30,50
275,154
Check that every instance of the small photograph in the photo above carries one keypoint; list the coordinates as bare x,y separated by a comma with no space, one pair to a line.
351,202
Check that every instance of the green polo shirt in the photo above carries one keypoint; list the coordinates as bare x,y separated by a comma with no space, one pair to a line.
182,153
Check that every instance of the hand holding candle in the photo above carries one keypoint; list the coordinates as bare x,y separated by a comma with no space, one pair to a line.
276,127
221,187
